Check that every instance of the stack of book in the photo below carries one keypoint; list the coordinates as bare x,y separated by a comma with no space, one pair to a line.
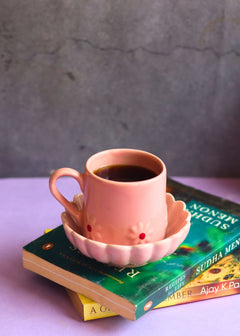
222,279
205,265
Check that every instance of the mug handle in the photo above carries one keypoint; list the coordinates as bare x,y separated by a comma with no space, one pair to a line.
56,193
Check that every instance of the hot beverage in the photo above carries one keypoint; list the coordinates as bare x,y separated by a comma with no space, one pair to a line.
125,173
119,212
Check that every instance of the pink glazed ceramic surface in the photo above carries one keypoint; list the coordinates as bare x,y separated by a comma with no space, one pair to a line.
134,255
113,212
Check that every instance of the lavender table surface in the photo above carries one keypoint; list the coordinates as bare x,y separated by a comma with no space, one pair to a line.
32,305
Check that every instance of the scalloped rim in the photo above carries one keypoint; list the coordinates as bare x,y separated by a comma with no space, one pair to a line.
135,255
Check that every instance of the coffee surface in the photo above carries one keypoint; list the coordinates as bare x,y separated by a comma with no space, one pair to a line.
125,173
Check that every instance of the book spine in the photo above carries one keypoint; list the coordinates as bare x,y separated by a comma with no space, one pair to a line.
93,311
183,279
187,294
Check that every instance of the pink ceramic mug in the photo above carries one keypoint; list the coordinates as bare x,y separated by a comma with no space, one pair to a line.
124,212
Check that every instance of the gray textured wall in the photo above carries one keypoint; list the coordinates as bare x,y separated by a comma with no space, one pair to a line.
79,76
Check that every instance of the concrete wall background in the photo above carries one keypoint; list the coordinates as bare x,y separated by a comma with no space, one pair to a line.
79,76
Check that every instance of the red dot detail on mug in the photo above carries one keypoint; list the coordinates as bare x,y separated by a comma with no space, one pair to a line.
89,228
142,236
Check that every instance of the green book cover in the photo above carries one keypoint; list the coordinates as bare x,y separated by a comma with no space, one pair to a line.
221,279
131,292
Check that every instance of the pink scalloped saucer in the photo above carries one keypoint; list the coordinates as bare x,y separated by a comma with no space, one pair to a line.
135,255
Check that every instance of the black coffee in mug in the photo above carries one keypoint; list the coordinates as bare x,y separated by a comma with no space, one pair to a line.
125,173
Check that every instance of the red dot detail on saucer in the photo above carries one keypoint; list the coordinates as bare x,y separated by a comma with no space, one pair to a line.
142,236
89,228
